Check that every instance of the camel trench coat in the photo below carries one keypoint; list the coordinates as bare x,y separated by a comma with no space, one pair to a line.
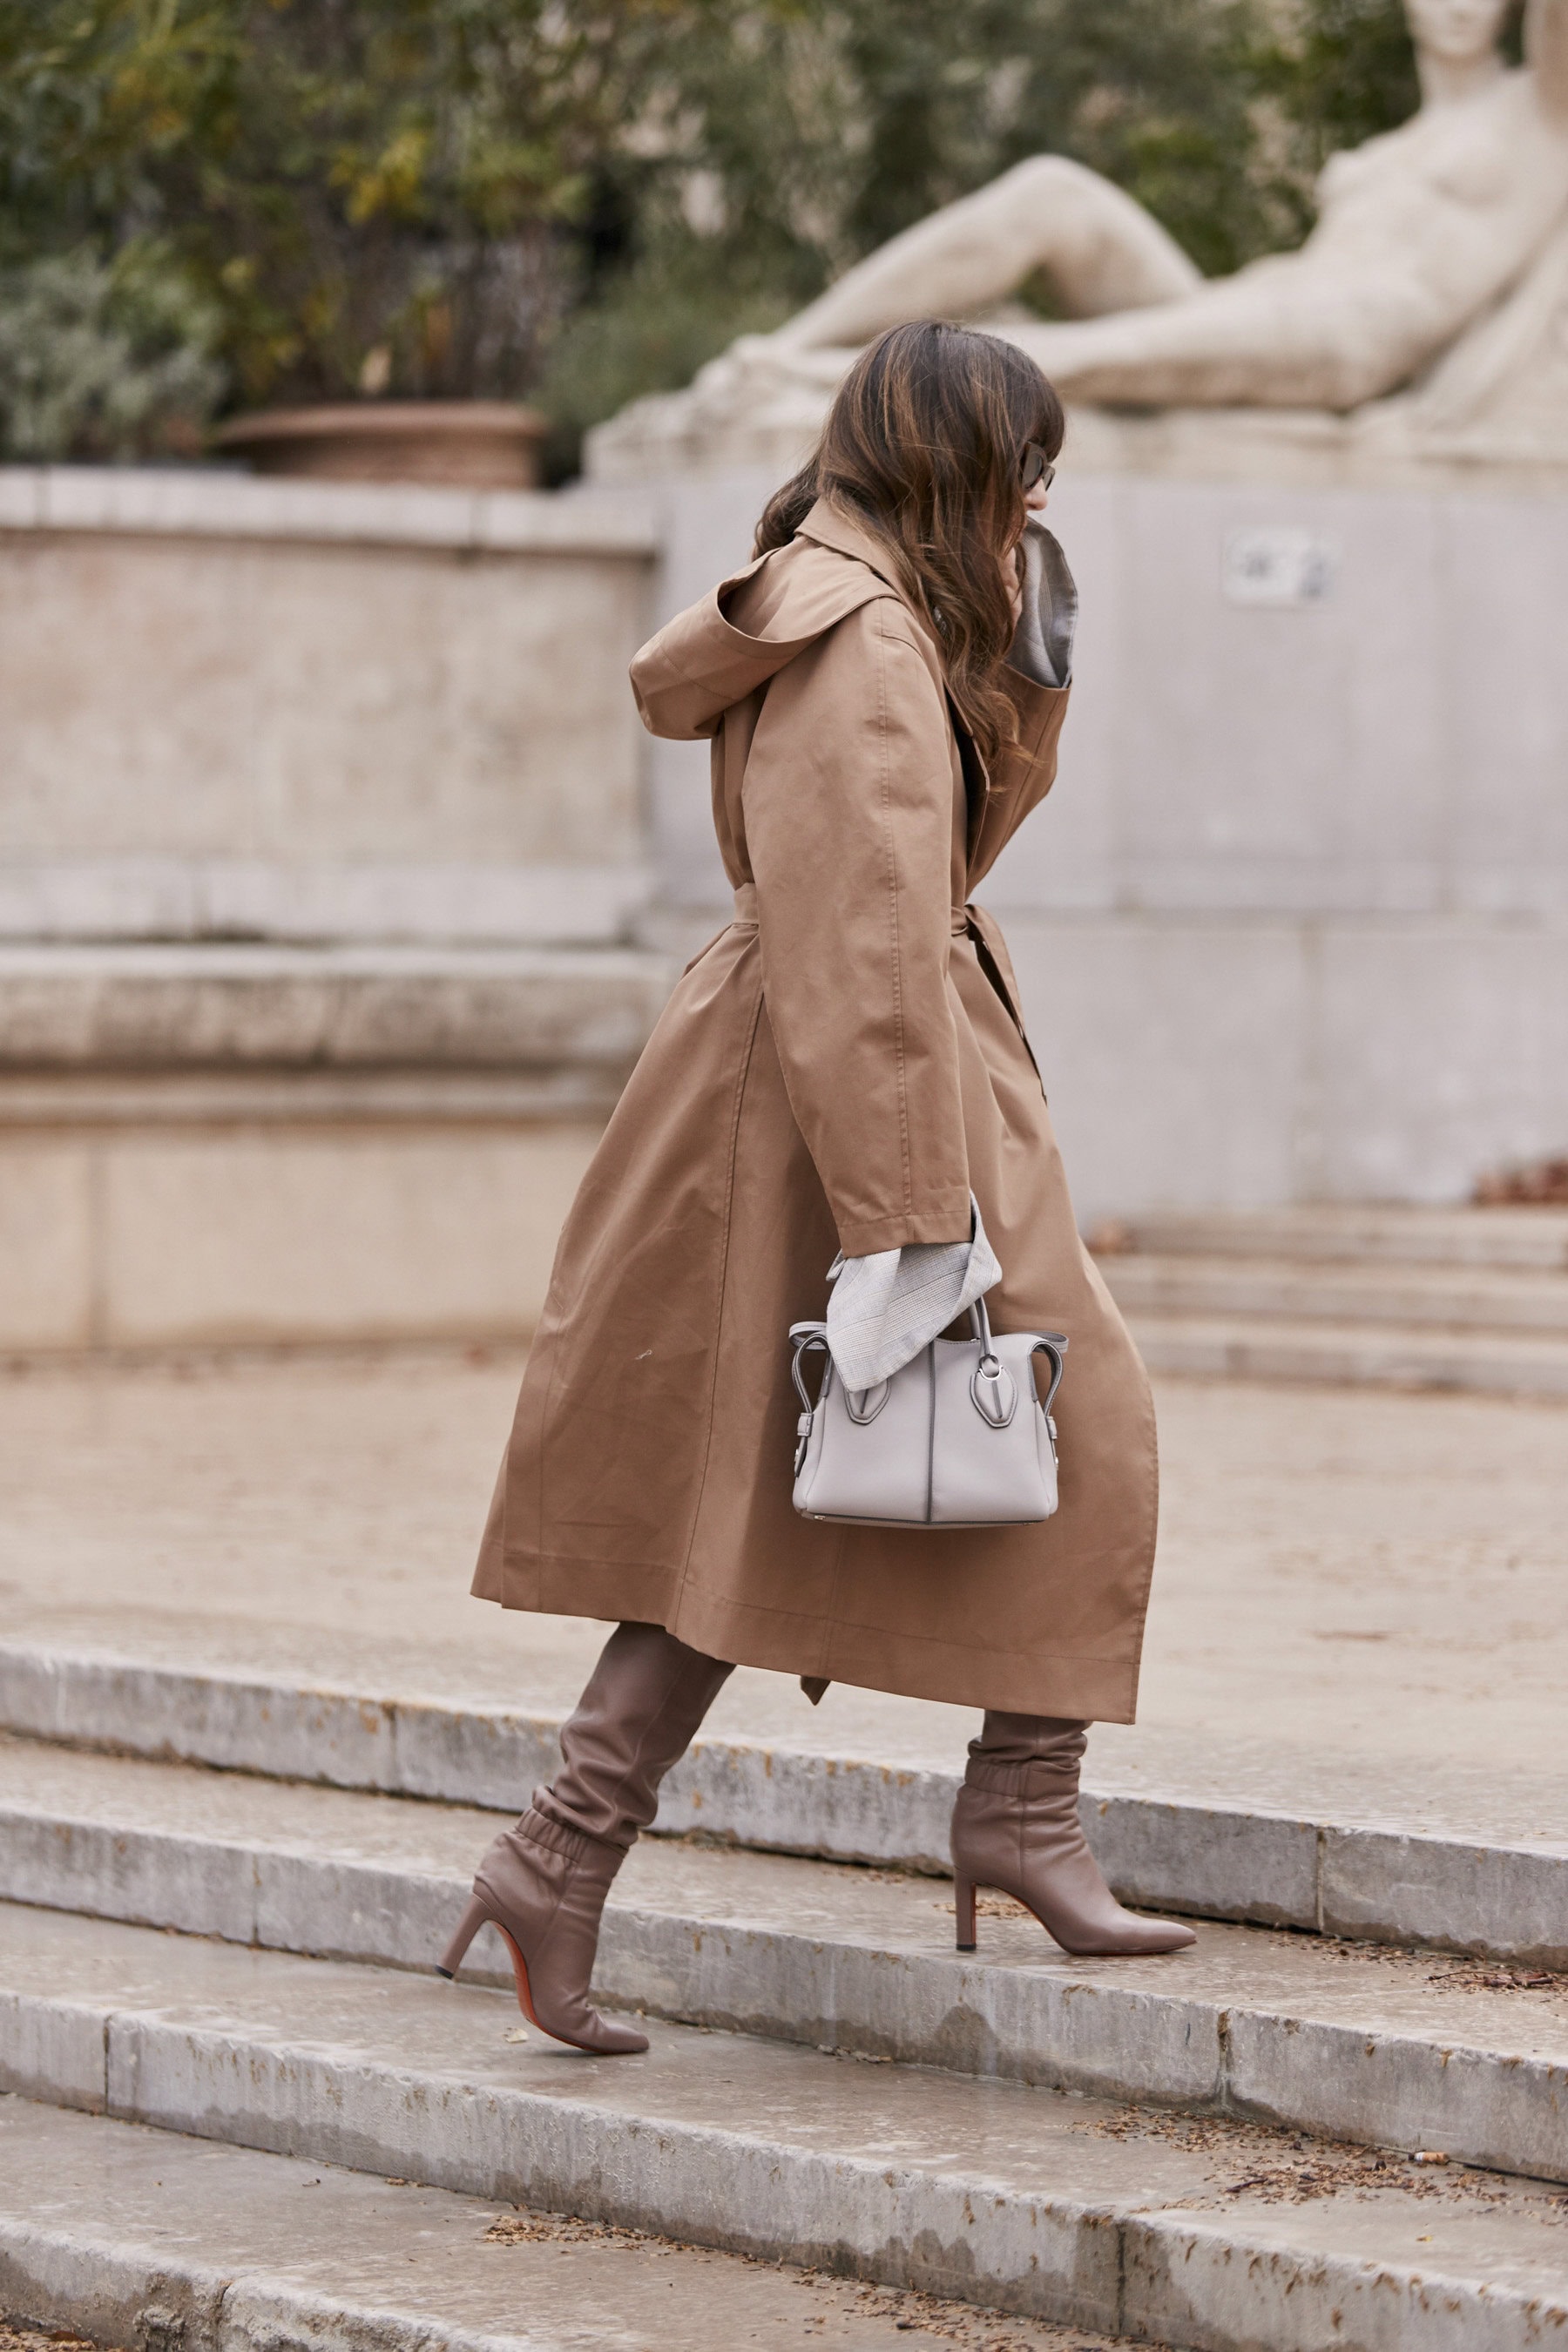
835,1070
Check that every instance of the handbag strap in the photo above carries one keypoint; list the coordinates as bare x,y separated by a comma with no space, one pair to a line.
980,1329
804,1337
1053,1344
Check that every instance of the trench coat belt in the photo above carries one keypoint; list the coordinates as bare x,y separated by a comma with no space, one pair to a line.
745,915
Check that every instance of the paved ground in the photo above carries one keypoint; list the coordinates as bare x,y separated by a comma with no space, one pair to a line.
1351,1583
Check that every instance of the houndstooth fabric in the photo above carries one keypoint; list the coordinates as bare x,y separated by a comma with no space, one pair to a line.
885,1309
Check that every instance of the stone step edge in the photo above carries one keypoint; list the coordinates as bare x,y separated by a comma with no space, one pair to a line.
162,2271
1159,1850
1352,1355
1506,1239
120,2292
1339,2078
1115,2263
1533,1310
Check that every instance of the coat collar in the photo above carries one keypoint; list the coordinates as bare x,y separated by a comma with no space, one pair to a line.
832,526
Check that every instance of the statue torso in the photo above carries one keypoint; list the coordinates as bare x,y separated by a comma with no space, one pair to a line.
1464,193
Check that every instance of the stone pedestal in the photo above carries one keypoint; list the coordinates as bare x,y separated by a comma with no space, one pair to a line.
211,1145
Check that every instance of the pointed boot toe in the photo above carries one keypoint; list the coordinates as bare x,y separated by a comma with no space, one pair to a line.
1129,1933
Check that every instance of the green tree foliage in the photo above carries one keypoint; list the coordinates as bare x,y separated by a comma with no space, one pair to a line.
105,358
585,199
1348,74
1156,94
381,183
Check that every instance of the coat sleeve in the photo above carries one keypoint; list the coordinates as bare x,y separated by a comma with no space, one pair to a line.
848,803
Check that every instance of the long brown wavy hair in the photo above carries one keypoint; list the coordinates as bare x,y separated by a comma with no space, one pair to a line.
924,444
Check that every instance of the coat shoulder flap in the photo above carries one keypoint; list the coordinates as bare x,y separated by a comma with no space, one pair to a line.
744,632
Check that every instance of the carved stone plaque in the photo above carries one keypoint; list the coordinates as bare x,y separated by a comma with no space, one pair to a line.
1278,564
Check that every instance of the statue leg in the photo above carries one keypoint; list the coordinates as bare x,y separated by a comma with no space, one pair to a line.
1276,335
1101,249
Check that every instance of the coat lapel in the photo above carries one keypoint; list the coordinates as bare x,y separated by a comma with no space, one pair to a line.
999,800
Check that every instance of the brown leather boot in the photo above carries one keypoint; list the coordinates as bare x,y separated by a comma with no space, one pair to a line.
1016,1828
542,1885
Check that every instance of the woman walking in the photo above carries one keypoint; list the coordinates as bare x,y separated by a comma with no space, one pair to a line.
843,1070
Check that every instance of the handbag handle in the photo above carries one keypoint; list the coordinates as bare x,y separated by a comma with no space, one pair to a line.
980,1329
805,1337
1053,1344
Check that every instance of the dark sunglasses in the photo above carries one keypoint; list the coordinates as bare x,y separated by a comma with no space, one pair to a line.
1037,471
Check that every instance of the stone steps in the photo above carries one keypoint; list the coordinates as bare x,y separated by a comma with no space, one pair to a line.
1451,1301
1209,2234
1351,1355
1369,1234
1465,1881
1212,2148
1473,1299
1365,2044
150,2238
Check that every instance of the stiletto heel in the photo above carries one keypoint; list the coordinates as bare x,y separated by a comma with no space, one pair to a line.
963,1913
469,1926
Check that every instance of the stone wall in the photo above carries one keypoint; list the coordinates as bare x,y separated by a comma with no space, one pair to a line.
321,848
338,886
237,707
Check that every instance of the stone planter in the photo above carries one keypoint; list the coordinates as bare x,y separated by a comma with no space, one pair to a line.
476,444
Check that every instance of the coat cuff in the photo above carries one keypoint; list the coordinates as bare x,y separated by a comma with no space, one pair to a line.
946,1220
886,1307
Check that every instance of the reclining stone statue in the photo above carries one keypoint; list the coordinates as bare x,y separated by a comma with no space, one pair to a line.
1421,234
1418,231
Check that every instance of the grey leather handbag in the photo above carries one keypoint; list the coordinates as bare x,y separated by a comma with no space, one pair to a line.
956,1438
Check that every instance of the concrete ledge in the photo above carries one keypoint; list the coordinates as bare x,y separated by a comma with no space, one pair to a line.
1361,1234
344,900
236,707
441,1100
1319,1874
222,1006
197,502
1447,1303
